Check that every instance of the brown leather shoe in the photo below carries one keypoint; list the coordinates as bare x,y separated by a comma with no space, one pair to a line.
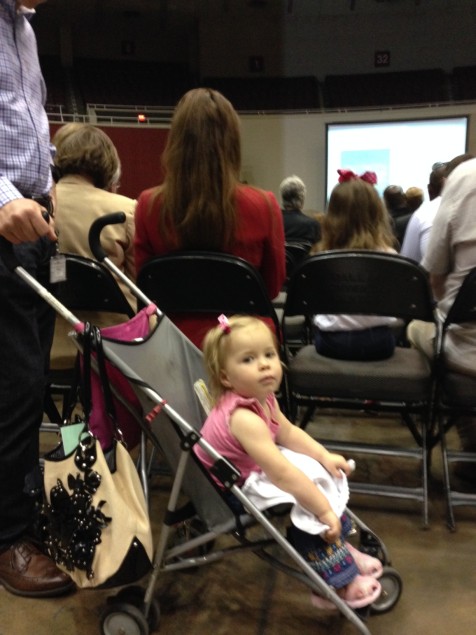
24,570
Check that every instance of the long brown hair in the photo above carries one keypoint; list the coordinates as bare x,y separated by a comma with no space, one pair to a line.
356,218
202,161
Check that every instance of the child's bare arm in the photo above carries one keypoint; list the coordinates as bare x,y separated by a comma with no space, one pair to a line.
254,436
294,438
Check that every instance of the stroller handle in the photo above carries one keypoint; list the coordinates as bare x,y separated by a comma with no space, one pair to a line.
96,228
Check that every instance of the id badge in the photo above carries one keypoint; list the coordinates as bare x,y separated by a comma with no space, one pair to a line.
57,268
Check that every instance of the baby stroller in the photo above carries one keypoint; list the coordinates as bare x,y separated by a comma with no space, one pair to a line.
164,369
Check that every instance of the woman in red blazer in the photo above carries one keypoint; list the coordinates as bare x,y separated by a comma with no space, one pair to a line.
202,205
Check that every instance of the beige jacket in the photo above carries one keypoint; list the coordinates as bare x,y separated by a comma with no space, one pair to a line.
79,203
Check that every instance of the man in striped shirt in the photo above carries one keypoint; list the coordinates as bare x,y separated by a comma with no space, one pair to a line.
26,321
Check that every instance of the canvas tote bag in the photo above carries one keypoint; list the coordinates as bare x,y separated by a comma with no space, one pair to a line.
95,521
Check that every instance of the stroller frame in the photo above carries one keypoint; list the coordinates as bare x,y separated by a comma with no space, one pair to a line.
224,522
135,609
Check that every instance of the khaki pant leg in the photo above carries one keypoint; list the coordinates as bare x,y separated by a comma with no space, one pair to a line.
421,335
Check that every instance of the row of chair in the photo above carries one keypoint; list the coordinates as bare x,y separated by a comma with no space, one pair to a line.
426,396
429,396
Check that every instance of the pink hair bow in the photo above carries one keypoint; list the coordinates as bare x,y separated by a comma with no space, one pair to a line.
224,323
369,177
348,175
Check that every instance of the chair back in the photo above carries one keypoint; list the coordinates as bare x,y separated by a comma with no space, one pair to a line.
206,282
91,287
295,252
456,400
360,282
461,311
463,308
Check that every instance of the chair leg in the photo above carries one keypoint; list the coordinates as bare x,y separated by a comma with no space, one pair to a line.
425,468
291,411
50,409
450,519
307,417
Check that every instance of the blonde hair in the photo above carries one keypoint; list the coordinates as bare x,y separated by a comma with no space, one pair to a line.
415,197
84,149
356,218
202,162
216,346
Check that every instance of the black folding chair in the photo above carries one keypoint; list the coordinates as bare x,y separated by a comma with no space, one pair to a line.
295,253
206,282
89,286
366,283
456,394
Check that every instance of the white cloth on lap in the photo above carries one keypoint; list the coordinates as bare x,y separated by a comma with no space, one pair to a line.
262,493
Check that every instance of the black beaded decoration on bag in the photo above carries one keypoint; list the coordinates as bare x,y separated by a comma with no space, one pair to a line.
71,525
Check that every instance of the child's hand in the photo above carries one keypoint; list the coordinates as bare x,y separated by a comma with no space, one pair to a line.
335,529
335,464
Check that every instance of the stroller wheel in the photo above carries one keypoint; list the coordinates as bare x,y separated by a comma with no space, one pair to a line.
123,619
391,590
135,595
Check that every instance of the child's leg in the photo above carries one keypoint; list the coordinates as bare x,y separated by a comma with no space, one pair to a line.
333,562
362,591
367,565
336,566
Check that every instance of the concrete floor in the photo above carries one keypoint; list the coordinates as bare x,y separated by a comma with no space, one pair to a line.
244,596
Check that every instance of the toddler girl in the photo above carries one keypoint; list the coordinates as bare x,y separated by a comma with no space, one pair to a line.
278,461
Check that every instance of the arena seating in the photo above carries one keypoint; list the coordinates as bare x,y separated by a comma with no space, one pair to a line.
385,89
129,83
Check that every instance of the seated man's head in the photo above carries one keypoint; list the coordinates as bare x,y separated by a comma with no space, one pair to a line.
441,171
394,197
293,192
436,180
415,197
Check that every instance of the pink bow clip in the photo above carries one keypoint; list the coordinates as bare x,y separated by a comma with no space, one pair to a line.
369,177
224,323
348,175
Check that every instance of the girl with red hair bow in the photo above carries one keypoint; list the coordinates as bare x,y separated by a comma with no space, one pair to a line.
356,218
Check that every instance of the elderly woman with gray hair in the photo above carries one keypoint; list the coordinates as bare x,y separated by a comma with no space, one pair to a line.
298,227
89,170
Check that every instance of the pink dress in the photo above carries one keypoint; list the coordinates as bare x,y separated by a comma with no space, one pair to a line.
333,563
216,430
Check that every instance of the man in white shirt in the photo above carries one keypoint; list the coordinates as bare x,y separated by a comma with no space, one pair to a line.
450,257
419,226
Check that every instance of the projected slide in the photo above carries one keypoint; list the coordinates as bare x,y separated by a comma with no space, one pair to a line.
399,152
